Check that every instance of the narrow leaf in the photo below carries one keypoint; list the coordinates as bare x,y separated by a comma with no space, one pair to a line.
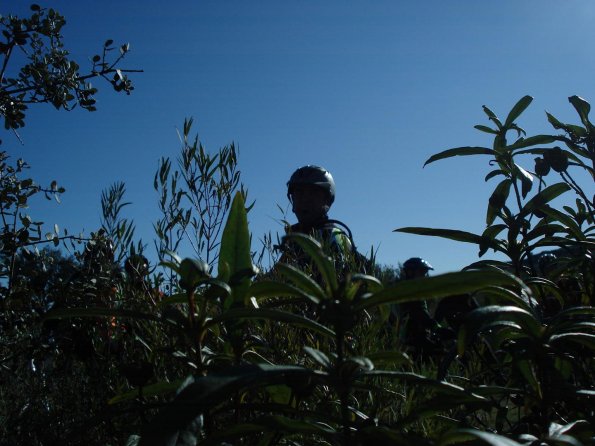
516,111
583,108
486,129
451,234
267,288
497,200
532,141
301,279
438,286
235,241
459,151
314,250
463,436
544,197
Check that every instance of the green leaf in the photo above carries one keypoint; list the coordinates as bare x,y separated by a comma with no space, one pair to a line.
323,262
484,390
452,234
301,279
586,339
273,315
192,272
543,228
525,177
206,392
531,141
510,297
573,229
576,433
477,320
486,129
268,288
319,357
437,286
459,151
462,436
544,197
497,200
554,122
493,173
516,111
583,108
235,241
492,116
388,357
528,371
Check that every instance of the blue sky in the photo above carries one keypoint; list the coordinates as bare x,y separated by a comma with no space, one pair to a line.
368,90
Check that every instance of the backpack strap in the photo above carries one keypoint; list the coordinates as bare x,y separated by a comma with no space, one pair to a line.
337,224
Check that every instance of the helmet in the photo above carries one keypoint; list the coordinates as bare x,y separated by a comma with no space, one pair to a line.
315,175
417,263
547,261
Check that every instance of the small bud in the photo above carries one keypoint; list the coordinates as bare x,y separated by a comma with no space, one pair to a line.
542,167
557,159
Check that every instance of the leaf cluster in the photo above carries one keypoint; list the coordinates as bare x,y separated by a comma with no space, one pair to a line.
47,73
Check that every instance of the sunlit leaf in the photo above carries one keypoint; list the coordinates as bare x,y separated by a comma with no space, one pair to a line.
525,177
235,241
583,108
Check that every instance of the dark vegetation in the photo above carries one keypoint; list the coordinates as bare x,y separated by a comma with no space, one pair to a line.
97,346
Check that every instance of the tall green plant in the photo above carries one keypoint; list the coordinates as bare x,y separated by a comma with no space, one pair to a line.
195,198
510,227
544,352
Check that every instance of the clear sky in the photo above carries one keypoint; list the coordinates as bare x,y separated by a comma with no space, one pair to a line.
368,90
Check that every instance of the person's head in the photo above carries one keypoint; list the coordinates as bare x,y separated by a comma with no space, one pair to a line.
416,267
547,262
311,191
